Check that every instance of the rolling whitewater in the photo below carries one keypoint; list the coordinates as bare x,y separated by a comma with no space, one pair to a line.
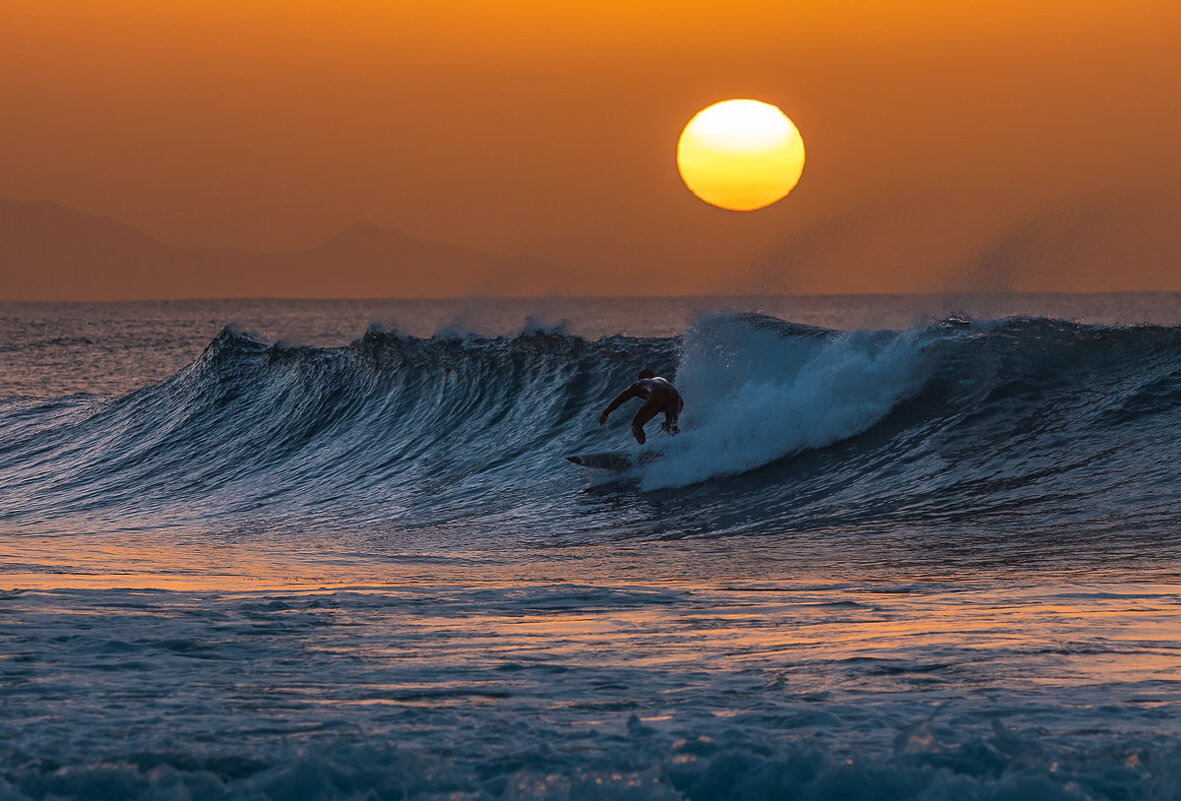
898,550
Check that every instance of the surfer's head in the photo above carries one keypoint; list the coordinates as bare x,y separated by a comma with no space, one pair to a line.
646,373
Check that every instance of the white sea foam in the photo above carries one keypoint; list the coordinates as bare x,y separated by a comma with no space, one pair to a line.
576,691
754,394
367,572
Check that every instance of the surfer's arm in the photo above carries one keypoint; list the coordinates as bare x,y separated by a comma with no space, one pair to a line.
631,392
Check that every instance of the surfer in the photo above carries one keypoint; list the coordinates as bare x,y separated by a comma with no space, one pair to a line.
659,396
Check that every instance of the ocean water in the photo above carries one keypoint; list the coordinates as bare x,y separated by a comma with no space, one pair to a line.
904,548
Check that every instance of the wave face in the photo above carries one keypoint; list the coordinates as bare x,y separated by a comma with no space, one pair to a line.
1022,421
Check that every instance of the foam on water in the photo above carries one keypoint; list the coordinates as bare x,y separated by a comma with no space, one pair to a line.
938,562
820,690
762,392
1041,423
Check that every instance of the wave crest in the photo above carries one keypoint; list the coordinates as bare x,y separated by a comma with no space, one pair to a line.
956,417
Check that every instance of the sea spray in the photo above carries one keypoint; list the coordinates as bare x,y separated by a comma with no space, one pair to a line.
1022,418
760,392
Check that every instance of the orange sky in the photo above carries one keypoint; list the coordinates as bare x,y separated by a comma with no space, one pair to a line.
1002,145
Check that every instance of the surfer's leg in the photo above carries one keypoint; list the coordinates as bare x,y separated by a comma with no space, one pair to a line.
670,423
646,413
672,417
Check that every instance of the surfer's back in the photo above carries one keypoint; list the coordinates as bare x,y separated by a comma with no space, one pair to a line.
657,388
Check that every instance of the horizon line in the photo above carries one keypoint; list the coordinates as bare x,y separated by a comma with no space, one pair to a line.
640,296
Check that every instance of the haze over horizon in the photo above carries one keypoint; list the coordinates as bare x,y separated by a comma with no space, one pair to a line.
949,149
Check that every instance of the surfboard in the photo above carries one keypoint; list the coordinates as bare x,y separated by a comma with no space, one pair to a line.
602,461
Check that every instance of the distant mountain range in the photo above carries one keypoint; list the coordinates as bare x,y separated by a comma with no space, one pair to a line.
53,252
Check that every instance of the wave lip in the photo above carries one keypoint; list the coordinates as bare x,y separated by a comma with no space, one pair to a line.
953,420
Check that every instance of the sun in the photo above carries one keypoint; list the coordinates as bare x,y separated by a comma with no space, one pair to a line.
740,154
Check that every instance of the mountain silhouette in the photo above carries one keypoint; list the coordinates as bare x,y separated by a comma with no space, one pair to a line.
52,252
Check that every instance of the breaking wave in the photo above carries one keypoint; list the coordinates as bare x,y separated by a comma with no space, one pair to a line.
784,425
